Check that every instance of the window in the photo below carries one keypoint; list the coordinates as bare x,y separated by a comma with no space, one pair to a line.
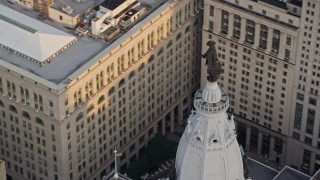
300,97
210,26
90,108
211,11
61,18
26,115
88,89
287,54
178,36
79,116
101,99
250,30
39,121
310,121
296,136
111,91
308,140
50,103
160,51
187,29
151,59
24,93
169,44
141,66
275,41
122,82
132,74
236,26
312,101
11,87
37,100
298,116
12,109
289,40
224,22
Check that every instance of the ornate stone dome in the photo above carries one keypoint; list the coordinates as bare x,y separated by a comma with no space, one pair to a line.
208,148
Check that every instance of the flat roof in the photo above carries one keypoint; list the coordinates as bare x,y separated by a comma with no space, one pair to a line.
296,2
259,171
79,7
277,3
112,4
30,38
292,174
78,58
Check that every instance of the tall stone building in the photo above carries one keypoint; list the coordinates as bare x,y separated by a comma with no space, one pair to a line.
304,141
67,101
257,44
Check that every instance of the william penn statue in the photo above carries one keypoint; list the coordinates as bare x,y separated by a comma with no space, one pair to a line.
214,68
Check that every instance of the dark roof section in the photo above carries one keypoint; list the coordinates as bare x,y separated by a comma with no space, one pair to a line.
260,171
112,4
276,3
296,2
126,9
292,174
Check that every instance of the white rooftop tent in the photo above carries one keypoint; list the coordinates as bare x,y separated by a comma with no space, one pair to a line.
31,38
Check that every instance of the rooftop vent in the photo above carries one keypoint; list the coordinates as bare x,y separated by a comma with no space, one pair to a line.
67,9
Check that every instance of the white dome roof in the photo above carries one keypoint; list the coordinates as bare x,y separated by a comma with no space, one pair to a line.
208,149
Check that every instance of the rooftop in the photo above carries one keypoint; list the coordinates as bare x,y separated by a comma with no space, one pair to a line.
277,3
78,6
292,174
112,4
259,171
31,38
74,60
296,2
119,176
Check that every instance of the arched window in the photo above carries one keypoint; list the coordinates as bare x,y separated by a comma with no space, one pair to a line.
121,83
169,44
141,66
187,29
13,109
91,107
160,51
1,103
101,99
151,59
26,115
39,121
79,116
132,74
111,91
178,36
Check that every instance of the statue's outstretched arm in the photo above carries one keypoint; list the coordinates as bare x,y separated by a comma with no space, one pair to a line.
204,55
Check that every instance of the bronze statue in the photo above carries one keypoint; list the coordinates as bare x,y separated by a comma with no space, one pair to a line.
214,67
